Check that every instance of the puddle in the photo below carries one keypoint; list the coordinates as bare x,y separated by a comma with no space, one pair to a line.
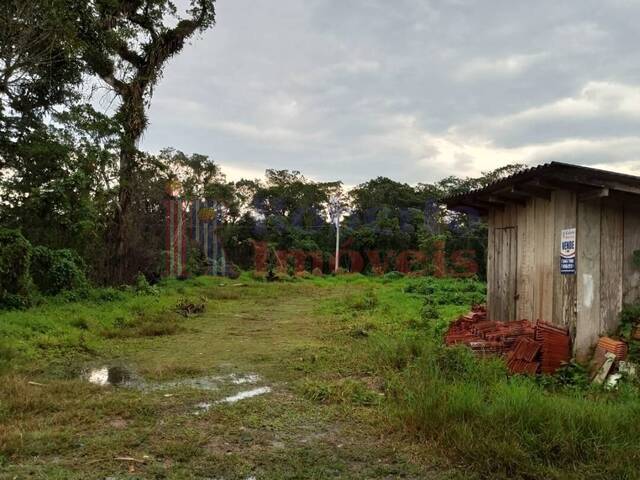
235,398
198,383
246,394
104,376
209,383
251,378
120,376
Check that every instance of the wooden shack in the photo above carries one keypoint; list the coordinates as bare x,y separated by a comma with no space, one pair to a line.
560,248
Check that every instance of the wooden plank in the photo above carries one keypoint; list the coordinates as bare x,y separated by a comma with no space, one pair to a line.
501,217
564,286
538,241
543,259
588,264
512,285
524,304
549,249
612,253
498,301
631,273
490,264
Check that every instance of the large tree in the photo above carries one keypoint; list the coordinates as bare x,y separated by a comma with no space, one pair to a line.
127,44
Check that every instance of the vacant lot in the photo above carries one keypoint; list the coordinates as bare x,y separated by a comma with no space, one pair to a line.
314,378
321,418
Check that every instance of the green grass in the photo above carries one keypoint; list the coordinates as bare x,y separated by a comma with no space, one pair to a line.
361,388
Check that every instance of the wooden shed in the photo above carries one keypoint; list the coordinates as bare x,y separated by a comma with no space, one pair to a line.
560,248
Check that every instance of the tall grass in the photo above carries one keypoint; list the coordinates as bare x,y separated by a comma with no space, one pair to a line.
497,426
511,427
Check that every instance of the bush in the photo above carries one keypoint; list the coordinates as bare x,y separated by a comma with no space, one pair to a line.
143,287
449,291
55,271
15,259
345,391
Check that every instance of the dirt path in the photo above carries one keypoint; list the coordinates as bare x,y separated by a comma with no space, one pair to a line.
238,394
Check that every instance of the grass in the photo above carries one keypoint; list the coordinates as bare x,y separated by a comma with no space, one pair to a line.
361,388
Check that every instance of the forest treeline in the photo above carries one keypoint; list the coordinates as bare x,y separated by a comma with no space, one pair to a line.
79,201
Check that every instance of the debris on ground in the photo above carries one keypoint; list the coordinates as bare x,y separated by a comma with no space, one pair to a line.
609,345
603,371
528,348
609,363
187,308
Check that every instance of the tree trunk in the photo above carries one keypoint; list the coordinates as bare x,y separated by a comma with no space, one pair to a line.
133,122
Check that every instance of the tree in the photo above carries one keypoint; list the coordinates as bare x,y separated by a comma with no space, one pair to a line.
127,43
38,72
38,64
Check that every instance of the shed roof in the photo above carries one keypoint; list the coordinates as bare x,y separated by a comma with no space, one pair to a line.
541,180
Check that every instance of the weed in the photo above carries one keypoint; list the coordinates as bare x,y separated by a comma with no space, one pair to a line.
187,308
144,326
342,391
366,301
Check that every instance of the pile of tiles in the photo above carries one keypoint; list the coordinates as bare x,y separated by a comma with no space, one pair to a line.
556,346
528,348
609,345
523,357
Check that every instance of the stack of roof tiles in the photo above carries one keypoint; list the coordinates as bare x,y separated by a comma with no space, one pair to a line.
609,345
523,357
556,346
528,348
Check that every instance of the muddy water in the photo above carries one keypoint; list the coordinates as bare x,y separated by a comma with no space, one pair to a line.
235,398
113,375
117,375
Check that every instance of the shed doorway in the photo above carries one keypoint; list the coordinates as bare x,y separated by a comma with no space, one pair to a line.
505,257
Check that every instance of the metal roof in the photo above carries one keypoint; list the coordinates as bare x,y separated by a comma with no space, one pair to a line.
543,178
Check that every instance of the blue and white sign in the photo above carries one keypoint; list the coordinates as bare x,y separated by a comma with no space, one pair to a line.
568,252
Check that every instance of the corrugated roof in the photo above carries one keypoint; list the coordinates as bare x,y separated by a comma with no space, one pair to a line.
573,176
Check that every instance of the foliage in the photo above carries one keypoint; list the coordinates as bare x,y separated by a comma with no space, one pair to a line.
39,69
448,291
347,391
630,328
54,271
571,376
15,260
636,258
400,383
143,287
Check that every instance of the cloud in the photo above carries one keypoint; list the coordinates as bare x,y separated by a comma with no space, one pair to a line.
273,135
488,68
412,90
599,109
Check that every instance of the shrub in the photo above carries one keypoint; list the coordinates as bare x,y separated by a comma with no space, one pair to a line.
15,259
629,325
55,271
143,326
367,301
450,291
345,391
394,275
143,287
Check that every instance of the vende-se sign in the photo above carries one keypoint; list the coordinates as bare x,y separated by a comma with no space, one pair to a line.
568,251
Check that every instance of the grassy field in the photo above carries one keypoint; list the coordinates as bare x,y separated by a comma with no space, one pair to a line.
349,382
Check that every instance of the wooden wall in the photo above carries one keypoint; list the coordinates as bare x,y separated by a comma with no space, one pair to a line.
524,280
531,262
631,274
588,277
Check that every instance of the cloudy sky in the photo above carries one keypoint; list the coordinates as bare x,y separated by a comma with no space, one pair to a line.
410,89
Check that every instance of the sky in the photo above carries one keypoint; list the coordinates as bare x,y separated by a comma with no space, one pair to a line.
414,90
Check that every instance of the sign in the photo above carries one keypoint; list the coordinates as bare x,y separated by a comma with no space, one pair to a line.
568,252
